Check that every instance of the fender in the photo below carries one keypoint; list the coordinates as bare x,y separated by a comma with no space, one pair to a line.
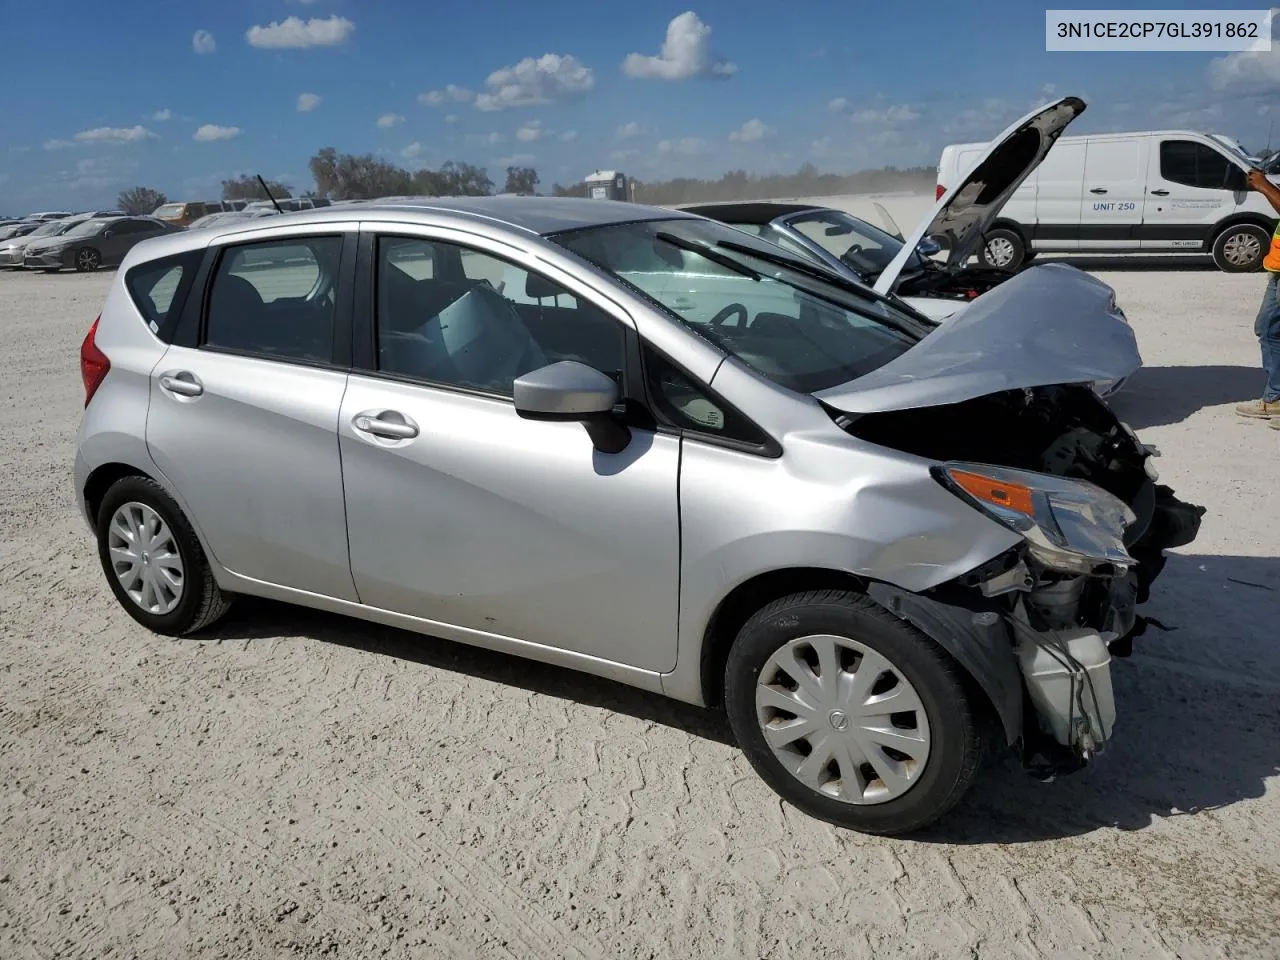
1235,219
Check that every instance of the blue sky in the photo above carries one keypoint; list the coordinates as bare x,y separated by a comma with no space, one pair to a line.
179,96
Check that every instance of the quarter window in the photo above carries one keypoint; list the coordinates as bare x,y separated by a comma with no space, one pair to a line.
276,298
476,321
1193,164
684,403
158,287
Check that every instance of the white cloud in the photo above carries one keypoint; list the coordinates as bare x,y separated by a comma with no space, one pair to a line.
58,144
412,151
628,131
450,94
896,113
160,116
550,78
686,53
569,136
308,102
838,105
531,131
114,134
515,160
1246,70
686,146
211,131
294,33
203,42
451,118
388,120
623,154
752,131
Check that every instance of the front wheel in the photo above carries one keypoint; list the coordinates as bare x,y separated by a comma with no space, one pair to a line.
1003,249
88,260
1241,249
153,560
851,714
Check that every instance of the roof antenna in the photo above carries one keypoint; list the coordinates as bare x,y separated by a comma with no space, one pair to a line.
267,191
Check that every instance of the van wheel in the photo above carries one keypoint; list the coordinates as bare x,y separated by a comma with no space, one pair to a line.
153,560
1240,249
851,714
1003,249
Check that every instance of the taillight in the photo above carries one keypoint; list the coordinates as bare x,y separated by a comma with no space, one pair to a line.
941,190
93,363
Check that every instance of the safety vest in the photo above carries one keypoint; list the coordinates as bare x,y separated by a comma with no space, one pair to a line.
1272,260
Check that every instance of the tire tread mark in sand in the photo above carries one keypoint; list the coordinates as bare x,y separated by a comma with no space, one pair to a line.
536,931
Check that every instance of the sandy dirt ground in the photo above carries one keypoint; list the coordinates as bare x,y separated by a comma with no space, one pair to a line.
291,783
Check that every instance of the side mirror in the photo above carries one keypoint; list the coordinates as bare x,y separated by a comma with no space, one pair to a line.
928,246
572,391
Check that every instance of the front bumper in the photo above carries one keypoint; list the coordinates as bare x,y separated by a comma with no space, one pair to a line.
42,260
10,257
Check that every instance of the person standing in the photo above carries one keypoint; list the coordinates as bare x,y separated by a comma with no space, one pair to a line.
1267,324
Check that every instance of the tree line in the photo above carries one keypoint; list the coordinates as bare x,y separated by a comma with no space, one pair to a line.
347,176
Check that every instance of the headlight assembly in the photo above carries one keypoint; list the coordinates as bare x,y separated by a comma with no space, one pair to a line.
1069,525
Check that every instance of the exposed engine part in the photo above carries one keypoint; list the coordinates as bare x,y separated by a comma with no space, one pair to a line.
1068,678
1055,605
962,283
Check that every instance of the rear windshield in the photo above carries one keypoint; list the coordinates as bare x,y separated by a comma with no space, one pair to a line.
169,210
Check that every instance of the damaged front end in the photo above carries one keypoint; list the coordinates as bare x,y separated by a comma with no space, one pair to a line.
1037,626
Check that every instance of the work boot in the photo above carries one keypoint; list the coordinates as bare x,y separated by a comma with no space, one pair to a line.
1259,409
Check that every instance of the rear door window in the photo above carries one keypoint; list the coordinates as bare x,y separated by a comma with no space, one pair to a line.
276,299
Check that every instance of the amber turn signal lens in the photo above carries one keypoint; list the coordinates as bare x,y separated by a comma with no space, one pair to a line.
1012,496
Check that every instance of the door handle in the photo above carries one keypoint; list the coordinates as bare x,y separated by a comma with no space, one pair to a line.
1159,193
388,424
182,382
1098,190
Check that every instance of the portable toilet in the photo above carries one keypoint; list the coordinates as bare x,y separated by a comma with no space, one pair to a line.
607,185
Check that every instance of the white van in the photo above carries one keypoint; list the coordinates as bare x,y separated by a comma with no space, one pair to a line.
1158,191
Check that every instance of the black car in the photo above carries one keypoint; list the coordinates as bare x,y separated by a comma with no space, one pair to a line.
93,243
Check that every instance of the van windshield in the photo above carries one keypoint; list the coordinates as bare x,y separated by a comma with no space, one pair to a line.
792,322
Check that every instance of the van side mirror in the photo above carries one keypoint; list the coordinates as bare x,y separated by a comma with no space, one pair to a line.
573,391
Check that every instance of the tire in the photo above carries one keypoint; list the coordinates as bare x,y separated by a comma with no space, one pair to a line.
952,728
1241,248
1011,251
198,601
88,260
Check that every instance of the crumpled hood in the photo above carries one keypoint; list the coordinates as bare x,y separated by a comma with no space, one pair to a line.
1050,324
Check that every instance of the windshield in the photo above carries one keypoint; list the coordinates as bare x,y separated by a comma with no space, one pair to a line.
788,323
855,243
52,228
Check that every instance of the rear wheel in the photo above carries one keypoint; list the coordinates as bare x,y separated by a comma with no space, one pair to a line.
1004,249
851,714
153,560
1241,249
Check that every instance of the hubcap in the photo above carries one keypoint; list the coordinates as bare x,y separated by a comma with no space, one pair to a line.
1241,248
145,558
842,719
1000,251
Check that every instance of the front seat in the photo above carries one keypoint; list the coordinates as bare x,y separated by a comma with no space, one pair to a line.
485,341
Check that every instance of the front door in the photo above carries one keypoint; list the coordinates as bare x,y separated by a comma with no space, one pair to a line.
461,512
1115,181
243,421
1187,194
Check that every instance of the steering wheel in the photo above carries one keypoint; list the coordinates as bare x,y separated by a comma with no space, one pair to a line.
724,314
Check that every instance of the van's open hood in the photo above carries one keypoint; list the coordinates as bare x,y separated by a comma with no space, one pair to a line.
963,214
1050,324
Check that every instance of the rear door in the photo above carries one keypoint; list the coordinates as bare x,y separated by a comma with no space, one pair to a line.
244,407
1115,180
1186,194
1059,189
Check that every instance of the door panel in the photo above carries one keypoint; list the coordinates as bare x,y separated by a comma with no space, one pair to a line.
488,521
1059,188
254,455
1114,193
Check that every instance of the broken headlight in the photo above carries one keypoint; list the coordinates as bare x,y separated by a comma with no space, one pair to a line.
1069,525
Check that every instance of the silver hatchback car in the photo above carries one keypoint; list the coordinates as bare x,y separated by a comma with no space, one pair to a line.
641,444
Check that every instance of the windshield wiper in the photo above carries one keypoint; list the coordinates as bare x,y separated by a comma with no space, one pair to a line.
707,251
